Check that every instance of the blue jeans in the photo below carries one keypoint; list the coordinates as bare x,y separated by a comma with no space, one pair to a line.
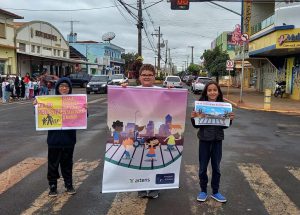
210,150
44,90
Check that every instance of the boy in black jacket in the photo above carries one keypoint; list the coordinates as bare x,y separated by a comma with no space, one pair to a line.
61,145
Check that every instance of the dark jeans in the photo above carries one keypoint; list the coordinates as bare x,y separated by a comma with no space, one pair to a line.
64,158
210,150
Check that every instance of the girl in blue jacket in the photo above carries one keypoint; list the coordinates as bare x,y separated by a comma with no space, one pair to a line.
210,145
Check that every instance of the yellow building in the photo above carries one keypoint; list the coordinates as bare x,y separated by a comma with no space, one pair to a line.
8,58
274,46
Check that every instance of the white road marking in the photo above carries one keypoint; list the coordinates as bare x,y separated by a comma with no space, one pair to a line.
295,171
128,203
273,198
19,171
80,173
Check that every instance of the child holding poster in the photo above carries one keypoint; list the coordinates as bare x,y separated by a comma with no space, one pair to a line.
61,145
210,145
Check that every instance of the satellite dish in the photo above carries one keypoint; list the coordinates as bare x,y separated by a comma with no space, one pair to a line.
108,36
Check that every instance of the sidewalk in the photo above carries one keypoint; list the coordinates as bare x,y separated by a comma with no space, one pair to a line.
254,100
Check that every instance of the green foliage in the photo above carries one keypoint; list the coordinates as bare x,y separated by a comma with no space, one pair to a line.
194,69
129,59
215,62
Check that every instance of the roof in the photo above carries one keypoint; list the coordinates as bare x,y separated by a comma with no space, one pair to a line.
87,41
75,54
12,15
19,24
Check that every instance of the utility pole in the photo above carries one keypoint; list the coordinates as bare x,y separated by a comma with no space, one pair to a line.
155,62
140,26
158,47
192,60
166,61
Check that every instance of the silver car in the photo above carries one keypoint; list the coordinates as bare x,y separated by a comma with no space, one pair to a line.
199,84
172,81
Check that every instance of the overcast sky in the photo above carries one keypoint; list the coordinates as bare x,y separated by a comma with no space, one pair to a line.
197,27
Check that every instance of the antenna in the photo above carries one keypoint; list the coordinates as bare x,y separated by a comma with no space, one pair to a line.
72,24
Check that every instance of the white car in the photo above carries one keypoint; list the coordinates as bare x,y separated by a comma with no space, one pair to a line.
118,79
172,81
199,84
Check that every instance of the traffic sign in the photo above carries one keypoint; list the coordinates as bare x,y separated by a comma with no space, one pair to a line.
229,64
245,37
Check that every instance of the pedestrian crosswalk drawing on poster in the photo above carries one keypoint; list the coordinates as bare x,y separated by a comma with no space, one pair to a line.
269,191
116,155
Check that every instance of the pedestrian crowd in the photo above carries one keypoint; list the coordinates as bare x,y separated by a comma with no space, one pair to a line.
15,88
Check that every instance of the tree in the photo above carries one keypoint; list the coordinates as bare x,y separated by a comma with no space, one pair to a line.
129,59
194,69
215,62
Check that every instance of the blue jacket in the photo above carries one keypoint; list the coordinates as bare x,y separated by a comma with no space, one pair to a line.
61,138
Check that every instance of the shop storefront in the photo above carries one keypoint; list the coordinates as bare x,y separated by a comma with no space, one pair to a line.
41,46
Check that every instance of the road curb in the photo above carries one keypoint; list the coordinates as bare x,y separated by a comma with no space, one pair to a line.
236,105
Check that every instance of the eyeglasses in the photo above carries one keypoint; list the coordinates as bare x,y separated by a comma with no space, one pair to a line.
148,75
64,86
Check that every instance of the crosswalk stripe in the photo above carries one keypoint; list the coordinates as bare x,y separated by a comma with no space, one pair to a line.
295,171
128,203
213,207
96,100
273,198
80,173
19,171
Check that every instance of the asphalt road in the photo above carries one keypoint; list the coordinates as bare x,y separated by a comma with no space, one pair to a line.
260,168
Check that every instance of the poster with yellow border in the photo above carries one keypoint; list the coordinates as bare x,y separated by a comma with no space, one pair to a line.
61,112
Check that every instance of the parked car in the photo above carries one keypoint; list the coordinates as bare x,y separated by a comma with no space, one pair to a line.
118,79
98,84
80,79
190,79
199,84
172,81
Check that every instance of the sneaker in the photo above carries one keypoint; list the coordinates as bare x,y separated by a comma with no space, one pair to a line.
219,197
53,191
202,196
70,190
142,194
153,194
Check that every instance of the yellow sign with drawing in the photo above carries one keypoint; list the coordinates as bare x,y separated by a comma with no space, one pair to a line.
288,39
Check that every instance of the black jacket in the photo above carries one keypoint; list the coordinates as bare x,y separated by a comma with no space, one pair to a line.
209,132
62,138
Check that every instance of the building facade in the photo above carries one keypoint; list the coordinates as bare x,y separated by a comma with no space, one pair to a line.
105,56
274,47
41,46
8,57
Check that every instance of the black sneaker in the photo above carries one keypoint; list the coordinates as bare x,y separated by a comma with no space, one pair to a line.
53,191
142,194
70,190
153,194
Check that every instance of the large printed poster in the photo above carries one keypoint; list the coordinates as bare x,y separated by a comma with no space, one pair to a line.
61,112
145,142
214,113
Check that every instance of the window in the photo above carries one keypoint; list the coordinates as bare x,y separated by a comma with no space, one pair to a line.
65,54
2,30
38,49
33,48
58,53
2,67
54,52
22,47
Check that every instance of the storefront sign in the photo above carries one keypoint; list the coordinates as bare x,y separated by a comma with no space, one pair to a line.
247,16
45,35
289,41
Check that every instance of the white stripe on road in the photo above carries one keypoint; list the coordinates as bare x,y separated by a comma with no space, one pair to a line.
128,203
295,171
192,180
19,171
80,172
96,100
273,198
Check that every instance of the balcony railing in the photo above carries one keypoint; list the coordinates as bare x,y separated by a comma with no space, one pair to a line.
262,25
